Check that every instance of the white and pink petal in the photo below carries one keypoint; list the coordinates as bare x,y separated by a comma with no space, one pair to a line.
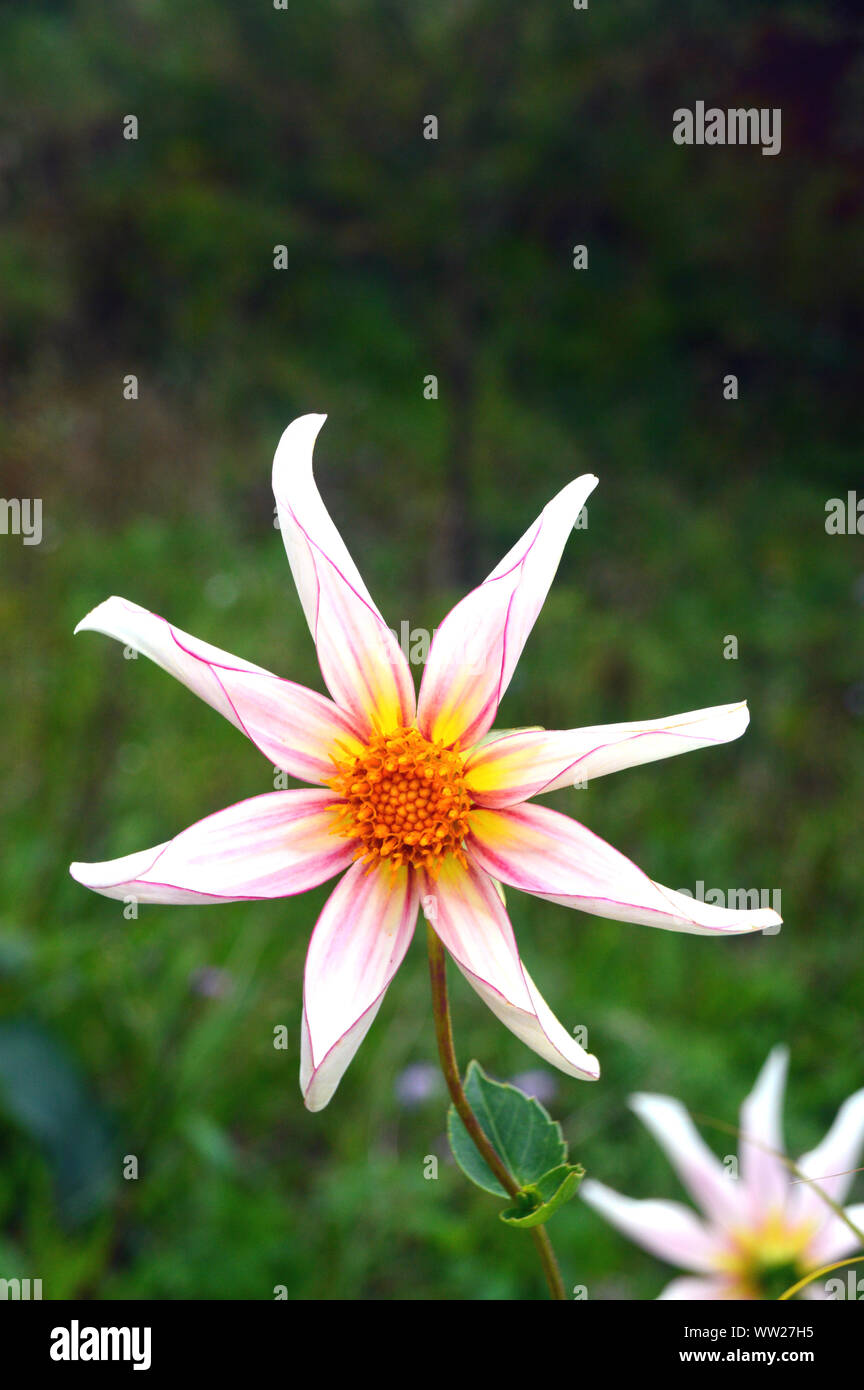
362,664
465,909
523,763
833,1165
296,729
269,846
835,1240
761,1148
708,1182
357,946
666,1229
543,852
693,1290
477,646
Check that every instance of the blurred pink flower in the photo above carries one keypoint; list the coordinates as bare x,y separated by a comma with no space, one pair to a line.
762,1229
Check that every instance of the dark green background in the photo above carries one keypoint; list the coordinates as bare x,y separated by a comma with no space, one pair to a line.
408,257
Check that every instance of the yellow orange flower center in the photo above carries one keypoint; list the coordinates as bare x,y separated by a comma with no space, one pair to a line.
404,799
765,1261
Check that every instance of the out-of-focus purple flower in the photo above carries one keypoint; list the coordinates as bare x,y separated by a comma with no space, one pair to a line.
853,699
211,982
417,1083
539,1084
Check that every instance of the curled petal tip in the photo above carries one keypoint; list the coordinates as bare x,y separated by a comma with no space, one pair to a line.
312,420
584,484
765,919
108,610
313,1101
84,624
738,716
363,665
771,919
738,720
304,430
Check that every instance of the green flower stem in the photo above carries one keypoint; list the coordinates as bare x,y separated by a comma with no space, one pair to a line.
817,1274
450,1068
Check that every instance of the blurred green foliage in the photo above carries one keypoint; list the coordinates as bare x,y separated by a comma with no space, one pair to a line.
407,257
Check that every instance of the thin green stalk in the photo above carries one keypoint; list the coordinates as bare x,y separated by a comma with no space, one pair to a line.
450,1068
816,1274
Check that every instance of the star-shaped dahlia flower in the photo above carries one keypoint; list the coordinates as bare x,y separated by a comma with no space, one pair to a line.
763,1227
412,801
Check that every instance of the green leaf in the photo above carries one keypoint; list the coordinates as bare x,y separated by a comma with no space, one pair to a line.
43,1091
525,1137
538,1201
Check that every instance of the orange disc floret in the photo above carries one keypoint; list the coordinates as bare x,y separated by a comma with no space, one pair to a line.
404,799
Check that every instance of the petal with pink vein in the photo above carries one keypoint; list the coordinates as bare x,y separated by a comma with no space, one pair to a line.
701,1172
667,1229
268,846
523,763
296,729
475,651
357,946
836,1239
543,852
832,1165
363,666
761,1149
466,911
